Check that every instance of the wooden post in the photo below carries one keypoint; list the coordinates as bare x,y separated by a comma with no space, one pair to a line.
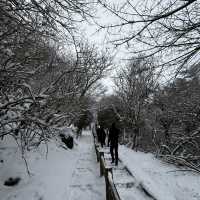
97,152
108,193
101,163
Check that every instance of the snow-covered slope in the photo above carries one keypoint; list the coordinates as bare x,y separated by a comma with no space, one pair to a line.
64,175
163,181
50,176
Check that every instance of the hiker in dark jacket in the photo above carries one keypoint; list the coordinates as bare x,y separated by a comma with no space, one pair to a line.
102,135
113,142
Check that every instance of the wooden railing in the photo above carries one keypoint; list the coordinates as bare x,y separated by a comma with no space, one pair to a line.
111,191
106,171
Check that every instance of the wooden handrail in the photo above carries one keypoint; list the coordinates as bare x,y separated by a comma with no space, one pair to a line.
111,191
97,152
113,194
102,164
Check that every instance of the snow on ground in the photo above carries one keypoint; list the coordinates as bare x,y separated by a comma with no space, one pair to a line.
74,174
86,183
126,185
163,181
52,177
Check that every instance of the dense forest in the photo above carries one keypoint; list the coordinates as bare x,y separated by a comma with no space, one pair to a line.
50,74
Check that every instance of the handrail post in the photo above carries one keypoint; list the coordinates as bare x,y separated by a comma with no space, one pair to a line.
97,152
101,163
108,193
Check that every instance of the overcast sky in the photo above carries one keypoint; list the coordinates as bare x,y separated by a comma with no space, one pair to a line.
102,40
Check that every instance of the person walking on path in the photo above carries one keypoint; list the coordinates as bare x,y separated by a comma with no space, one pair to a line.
102,135
113,142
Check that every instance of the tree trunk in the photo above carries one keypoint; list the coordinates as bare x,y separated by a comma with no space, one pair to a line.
135,138
167,137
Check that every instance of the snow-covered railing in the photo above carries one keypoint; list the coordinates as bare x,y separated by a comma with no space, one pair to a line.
96,149
111,191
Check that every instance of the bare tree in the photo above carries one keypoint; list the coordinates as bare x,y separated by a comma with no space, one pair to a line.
135,84
174,118
166,29
40,84
57,88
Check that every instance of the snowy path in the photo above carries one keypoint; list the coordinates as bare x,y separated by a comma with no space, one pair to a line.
74,174
62,175
86,183
126,184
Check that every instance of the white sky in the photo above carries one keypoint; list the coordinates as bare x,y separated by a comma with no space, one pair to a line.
101,40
